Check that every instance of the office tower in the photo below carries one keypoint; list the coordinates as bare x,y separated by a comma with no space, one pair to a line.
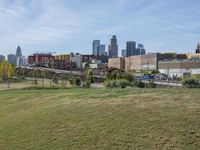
2,58
113,47
131,49
141,49
123,52
198,48
12,59
102,50
19,58
95,47
18,52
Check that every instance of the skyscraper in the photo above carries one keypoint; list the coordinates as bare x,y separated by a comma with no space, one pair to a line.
131,49
198,48
19,58
141,49
123,52
2,58
12,59
102,50
18,52
95,47
113,47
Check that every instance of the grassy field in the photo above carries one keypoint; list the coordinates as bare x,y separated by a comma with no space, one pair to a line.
100,119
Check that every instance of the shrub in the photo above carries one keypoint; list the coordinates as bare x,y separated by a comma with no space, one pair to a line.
55,79
77,81
116,83
152,85
191,83
122,83
139,84
87,84
35,81
118,75
64,84
71,80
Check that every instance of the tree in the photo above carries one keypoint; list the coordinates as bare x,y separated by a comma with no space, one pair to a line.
90,75
6,71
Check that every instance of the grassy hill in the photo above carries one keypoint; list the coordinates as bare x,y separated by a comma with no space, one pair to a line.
100,119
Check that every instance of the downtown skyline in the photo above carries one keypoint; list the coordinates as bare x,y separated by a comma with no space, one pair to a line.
63,27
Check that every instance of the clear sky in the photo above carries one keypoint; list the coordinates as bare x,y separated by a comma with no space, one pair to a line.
72,25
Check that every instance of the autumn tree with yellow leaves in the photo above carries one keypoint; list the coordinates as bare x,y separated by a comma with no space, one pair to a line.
6,71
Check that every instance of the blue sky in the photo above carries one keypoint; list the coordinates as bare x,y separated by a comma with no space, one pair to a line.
71,25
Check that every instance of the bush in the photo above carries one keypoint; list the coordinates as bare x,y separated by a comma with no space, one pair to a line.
71,80
55,79
191,83
75,81
122,83
64,84
35,81
151,85
139,84
119,75
87,84
116,83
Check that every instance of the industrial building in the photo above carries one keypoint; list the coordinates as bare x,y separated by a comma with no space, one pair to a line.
179,68
118,63
44,59
64,57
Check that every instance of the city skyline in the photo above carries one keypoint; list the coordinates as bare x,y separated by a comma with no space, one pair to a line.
71,26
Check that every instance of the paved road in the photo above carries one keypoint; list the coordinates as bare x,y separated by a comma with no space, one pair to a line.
167,83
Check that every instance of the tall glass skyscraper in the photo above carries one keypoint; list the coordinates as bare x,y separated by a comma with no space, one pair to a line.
19,58
18,52
95,47
102,49
198,49
113,47
131,49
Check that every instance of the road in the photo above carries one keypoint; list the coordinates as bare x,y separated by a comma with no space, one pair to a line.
172,84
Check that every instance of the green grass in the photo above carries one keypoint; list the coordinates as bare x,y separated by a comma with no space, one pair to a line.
100,119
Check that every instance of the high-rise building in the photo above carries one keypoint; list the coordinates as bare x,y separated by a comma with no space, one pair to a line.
2,58
131,49
198,48
19,58
113,47
18,52
123,52
12,59
95,47
102,50
141,49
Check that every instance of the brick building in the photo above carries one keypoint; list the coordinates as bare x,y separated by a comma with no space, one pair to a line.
63,65
41,59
